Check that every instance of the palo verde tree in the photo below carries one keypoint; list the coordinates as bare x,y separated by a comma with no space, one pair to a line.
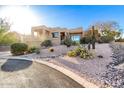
4,25
109,28
6,37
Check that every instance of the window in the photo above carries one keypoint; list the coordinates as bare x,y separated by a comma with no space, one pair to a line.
55,34
75,37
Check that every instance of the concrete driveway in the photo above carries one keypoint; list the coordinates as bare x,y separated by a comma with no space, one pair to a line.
26,74
5,54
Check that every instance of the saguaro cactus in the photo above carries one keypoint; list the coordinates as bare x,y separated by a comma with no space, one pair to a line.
93,38
89,46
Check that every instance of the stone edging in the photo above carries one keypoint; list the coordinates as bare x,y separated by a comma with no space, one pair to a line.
67,72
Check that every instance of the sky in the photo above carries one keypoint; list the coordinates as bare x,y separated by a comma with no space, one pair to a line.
67,16
79,16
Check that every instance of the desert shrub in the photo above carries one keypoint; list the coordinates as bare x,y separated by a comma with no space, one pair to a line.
72,54
74,43
46,43
51,49
82,40
85,40
85,54
100,41
19,48
106,39
37,51
67,42
119,40
78,50
32,50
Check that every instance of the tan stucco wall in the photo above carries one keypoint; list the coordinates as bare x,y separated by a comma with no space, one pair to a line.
41,31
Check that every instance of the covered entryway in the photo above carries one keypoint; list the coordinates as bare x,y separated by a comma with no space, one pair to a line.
62,36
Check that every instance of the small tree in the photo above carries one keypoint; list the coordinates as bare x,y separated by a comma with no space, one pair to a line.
85,40
46,43
6,37
4,25
67,42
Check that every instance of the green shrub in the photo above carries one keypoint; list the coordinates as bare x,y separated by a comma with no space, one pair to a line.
19,48
72,54
46,43
51,49
100,41
32,50
78,50
85,54
82,40
85,40
7,39
67,42
119,40
106,39
37,51
74,43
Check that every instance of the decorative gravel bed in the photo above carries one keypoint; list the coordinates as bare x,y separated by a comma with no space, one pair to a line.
115,75
102,72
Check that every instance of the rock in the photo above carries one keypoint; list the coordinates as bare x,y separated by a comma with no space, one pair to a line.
53,56
47,59
100,56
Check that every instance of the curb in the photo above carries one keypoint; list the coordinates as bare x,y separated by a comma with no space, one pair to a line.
70,74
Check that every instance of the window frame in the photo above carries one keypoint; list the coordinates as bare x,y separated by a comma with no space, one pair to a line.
75,36
55,34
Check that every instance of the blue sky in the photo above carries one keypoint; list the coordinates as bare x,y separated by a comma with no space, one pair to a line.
66,16
72,16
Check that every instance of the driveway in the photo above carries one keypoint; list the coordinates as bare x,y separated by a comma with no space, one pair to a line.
27,74
5,54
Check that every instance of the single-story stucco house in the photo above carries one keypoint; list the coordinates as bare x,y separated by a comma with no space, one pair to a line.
56,34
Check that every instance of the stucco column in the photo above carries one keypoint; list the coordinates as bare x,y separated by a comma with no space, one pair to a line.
59,37
65,35
44,34
32,33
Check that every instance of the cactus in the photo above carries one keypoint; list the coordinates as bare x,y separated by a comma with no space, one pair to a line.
88,46
93,38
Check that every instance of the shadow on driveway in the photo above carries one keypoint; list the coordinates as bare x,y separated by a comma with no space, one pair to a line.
15,64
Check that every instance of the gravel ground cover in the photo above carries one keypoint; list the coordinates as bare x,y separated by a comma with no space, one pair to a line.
92,69
115,73
106,71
